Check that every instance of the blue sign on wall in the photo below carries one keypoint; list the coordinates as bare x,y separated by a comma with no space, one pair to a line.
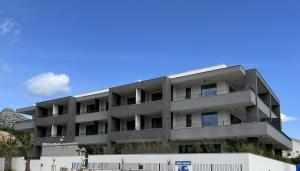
298,167
183,166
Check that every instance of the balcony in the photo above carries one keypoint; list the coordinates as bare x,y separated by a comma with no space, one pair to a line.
50,120
233,99
92,139
141,109
95,116
244,130
24,125
136,135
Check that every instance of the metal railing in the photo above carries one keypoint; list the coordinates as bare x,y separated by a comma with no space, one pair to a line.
155,167
207,93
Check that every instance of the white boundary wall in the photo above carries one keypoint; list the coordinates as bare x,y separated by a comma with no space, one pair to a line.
249,162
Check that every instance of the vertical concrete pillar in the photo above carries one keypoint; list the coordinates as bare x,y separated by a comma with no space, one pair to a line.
138,96
55,110
53,130
222,87
137,122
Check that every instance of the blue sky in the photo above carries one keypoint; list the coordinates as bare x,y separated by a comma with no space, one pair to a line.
89,45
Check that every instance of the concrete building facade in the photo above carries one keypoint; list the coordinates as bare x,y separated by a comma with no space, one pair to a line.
216,103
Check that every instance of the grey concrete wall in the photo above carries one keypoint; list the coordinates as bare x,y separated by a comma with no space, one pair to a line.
241,98
66,149
92,139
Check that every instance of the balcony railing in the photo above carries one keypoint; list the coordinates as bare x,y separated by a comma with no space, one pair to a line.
206,93
254,129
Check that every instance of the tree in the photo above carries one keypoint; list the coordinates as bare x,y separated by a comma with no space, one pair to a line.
8,148
25,138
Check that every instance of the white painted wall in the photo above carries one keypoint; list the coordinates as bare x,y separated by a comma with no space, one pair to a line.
249,162
258,163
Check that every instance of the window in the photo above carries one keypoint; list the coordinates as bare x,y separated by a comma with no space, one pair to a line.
234,120
156,96
142,122
43,131
156,122
106,128
118,124
77,130
106,106
188,92
131,100
60,110
188,120
92,129
59,130
90,108
209,89
210,119
131,125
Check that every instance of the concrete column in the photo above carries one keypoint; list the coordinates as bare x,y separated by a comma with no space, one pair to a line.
53,131
222,87
55,110
138,96
137,122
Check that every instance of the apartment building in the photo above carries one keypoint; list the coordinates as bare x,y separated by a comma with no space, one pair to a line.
217,103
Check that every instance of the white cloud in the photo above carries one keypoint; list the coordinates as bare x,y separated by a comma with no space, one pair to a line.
47,84
285,118
5,68
10,29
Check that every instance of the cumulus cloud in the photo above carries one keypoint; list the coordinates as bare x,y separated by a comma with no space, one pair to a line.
10,29
285,118
47,84
5,68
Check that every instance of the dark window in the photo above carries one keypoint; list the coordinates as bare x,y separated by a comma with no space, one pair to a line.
209,89
44,112
234,120
156,96
131,100
156,122
77,130
142,122
96,105
210,119
118,100
43,132
106,106
172,120
92,129
188,120
130,125
59,130
90,108
118,123
77,108
143,96
172,93
188,92
106,128
231,89
60,110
